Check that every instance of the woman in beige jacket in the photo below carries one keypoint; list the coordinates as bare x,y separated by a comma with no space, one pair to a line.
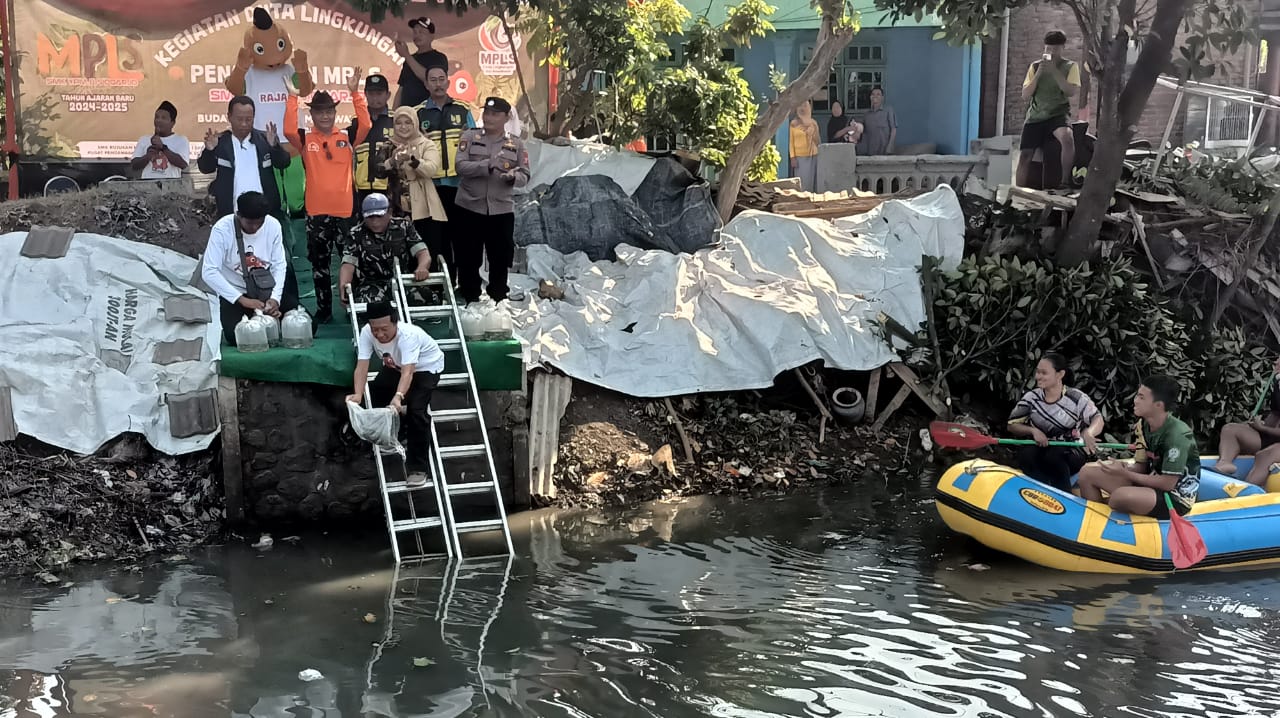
414,159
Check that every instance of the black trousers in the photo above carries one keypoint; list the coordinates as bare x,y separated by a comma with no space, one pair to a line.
478,235
432,233
231,314
449,230
416,425
1053,465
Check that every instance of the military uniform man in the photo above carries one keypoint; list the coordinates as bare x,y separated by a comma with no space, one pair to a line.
491,163
372,249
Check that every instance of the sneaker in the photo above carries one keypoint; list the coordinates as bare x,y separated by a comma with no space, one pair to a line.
417,480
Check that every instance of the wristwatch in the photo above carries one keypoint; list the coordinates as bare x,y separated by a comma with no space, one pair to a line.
400,396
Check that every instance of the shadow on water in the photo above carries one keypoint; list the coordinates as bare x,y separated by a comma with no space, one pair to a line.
843,602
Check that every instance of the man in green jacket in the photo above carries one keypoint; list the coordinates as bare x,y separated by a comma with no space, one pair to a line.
1051,83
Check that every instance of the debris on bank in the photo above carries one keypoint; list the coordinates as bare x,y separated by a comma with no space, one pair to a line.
619,450
57,508
174,219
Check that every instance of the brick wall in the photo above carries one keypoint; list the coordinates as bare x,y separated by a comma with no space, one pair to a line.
1027,27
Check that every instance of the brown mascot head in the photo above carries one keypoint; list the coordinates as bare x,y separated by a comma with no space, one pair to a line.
268,43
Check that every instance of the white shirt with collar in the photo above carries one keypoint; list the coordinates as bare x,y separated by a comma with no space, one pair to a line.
220,266
245,167
411,345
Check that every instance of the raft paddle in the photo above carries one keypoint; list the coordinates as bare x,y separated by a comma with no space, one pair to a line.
1186,546
959,436
1262,395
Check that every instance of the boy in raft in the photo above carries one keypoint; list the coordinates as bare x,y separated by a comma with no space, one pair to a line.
1260,437
1166,461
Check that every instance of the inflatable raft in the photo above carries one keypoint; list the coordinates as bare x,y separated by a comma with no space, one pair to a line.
1010,512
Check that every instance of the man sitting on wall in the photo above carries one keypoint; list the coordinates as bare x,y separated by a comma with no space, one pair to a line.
410,366
1051,83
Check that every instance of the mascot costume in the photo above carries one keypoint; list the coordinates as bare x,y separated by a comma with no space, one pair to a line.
262,66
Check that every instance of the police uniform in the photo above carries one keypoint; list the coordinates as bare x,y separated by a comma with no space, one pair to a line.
491,167
373,256
369,175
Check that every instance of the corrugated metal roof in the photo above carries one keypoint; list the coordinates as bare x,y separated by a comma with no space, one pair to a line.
188,309
47,242
177,350
193,414
8,427
551,393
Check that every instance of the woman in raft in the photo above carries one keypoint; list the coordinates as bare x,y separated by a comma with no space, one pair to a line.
1260,436
1055,412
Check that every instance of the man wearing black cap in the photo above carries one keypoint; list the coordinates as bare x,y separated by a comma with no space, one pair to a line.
374,247
162,155
492,163
409,364
369,177
413,76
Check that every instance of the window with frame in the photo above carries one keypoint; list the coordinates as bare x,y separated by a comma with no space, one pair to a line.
858,69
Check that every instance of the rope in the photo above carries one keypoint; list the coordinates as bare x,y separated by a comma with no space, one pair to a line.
1089,505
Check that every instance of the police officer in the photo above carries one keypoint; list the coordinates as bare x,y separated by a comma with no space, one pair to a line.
369,175
374,246
491,163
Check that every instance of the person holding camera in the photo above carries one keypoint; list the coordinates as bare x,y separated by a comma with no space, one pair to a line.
245,263
1052,82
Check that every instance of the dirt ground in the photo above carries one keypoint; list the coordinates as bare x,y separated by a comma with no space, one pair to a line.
57,508
177,220
619,450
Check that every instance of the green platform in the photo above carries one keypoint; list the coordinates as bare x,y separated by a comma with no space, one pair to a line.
332,358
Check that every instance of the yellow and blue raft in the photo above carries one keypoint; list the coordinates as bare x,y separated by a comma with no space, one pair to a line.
1002,508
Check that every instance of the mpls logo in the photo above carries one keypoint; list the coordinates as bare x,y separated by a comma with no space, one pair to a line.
497,50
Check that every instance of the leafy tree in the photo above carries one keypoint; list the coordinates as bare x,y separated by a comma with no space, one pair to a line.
838,26
1202,30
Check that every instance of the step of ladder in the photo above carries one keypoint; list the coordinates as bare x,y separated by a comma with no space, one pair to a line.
439,485
462,451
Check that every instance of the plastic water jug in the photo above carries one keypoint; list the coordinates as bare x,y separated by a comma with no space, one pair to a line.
295,330
251,336
497,323
272,325
472,318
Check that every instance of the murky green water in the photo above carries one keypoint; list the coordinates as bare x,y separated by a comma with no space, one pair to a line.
844,603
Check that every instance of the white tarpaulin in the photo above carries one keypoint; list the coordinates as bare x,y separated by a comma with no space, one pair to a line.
779,293
62,320
548,163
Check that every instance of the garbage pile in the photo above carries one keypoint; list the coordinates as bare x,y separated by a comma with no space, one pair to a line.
629,450
57,508
173,219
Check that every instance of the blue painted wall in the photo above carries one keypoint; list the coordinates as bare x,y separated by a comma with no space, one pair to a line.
933,87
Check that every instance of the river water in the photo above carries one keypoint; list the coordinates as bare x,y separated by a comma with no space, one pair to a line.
846,602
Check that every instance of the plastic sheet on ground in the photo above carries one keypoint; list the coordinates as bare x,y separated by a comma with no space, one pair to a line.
548,163
778,294
77,335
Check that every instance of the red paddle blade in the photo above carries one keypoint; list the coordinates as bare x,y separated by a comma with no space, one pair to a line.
1186,546
958,436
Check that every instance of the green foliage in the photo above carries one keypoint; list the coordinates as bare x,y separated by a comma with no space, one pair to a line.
1222,183
748,20
996,316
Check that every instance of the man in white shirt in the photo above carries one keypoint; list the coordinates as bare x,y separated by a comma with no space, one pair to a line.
162,155
223,270
411,364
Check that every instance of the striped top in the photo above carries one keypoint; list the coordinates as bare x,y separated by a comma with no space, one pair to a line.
1061,419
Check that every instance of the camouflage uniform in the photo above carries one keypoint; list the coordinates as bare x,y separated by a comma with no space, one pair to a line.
374,256
324,234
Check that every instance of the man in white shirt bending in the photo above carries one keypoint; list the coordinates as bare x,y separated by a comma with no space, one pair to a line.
162,155
224,272
410,366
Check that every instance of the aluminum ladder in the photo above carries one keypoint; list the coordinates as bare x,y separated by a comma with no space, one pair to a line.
455,409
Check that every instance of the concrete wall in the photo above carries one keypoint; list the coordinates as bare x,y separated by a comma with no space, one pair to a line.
1027,27
300,462
933,87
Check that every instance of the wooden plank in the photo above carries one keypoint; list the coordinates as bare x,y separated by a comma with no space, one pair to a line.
912,381
8,425
873,393
893,406
232,470
1043,198
1136,220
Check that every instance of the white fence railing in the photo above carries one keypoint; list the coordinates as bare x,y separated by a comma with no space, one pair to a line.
839,169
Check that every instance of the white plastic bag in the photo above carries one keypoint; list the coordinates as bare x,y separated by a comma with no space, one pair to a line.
380,427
